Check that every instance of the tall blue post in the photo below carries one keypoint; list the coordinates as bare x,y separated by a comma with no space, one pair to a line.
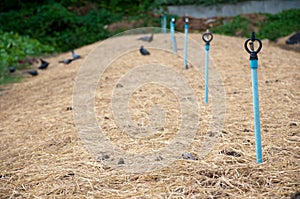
254,66
186,30
207,37
164,24
206,73
173,40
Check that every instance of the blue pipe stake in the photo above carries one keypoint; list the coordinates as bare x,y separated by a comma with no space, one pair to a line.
207,38
165,24
254,66
206,73
172,25
186,30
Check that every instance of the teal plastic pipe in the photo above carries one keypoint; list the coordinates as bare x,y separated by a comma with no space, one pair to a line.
254,66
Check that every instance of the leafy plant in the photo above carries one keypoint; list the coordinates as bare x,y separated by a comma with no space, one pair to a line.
196,2
238,24
55,25
272,27
14,48
280,25
130,7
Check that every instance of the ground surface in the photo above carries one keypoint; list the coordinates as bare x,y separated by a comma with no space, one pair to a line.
42,155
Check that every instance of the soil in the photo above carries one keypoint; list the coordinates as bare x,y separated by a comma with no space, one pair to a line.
42,154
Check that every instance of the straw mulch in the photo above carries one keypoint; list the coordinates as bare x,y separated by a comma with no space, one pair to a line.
42,155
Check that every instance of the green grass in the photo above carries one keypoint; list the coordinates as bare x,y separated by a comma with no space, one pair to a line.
239,24
55,25
280,25
269,27
7,79
13,48
197,2
47,28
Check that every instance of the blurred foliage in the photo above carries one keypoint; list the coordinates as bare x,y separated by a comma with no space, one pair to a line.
62,24
13,48
196,2
280,25
130,7
272,26
126,7
54,25
34,27
238,24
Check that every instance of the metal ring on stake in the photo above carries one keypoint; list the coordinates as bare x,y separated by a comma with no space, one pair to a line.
207,37
252,51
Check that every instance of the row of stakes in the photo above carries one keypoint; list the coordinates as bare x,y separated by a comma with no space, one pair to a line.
249,47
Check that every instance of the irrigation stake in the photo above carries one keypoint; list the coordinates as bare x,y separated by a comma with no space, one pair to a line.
207,38
254,66
186,30
164,24
173,39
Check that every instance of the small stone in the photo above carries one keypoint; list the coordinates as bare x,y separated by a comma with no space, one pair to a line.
246,130
179,190
159,158
104,157
293,124
119,85
212,134
231,153
160,128
71,173
188,156
107,118
121,161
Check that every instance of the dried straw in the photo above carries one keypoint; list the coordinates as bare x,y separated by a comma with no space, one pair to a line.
43,157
